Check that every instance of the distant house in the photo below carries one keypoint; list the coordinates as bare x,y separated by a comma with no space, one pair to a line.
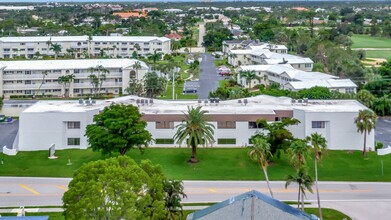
300,9
251,205
173,36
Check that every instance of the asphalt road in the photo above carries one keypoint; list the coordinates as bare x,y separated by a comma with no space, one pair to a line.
209,79
8,133
383,131
15,191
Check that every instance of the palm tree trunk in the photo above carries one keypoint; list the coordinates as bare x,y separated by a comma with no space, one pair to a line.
298,199
302,201
317,190
193,158
267,181
365,143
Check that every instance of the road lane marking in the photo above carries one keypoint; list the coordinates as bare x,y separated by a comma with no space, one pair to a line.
62,187
29,189
212,190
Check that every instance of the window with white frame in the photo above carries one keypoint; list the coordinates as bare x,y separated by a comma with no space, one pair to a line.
73,124
318,124
74,141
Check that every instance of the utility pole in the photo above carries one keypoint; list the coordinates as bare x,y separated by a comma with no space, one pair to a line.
173,85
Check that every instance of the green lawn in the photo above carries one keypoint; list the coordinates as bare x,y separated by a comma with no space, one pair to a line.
215,164
386,54
178,93
366,41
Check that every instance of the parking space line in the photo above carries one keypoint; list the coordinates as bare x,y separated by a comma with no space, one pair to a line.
29,189
62,187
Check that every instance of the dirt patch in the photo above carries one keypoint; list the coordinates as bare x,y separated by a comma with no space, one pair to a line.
376,62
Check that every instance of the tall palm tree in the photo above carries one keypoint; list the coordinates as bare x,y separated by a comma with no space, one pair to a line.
249,75
155,56
318,143
56,48
365,122
137,66
260,152
97,77
44,74
65,81
297,152
196,130
304,182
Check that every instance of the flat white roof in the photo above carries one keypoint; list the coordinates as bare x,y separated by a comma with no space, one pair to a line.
261,104
261,67
82,38
330,83
67,64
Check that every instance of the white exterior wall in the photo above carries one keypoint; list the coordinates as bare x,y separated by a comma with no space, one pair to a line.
37,131
340,130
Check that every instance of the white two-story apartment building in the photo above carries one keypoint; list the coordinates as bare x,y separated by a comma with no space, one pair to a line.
83,46
38,77
293,79
63,123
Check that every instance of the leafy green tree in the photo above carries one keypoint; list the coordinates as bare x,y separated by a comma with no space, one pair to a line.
118,128
385,69
195,130
278,135
134,87
56,48
153,84
260,152
365,122
319,145
304,181
365,97
297,152
174,191
315,92
116,188
382,105
264,32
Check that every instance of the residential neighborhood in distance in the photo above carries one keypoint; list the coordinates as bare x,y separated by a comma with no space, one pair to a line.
195,110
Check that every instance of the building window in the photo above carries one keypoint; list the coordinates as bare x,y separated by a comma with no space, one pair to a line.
132,74
307,65
27,72
164,141
73,124
318,124
27,82
226,141
164,125
226,124
76,71
74,141
254,125
76,90
349,90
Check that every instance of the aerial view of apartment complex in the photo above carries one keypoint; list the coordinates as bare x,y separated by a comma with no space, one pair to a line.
195,110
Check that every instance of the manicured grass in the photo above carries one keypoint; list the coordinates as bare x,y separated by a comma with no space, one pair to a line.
386,54
217,62
328,214
52,215
366,41
215,164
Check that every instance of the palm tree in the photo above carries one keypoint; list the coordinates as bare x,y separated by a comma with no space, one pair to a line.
174,191
137,66
44,74
318,143
260,152
365,122
233,57
382,105
297,152
56,49
97,77
196,130
304,181
155,56
249,75
65,81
